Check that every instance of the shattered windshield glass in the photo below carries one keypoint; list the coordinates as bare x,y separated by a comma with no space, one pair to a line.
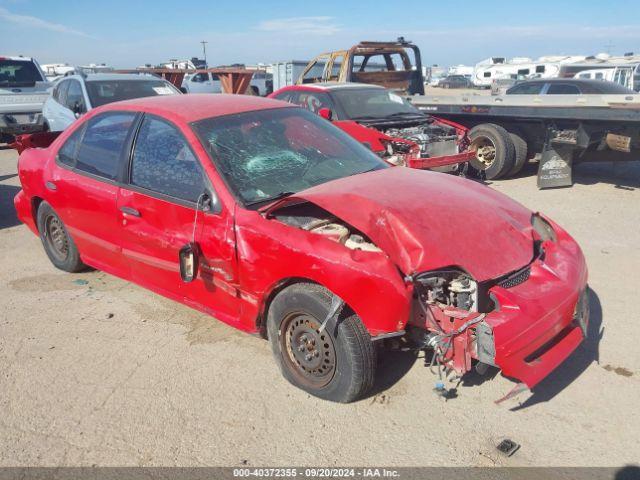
268,154
373,103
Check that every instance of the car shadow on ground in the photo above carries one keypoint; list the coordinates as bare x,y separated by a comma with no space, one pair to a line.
8,216
392,366
586,354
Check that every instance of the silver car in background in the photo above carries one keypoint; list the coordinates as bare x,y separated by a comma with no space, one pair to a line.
75,95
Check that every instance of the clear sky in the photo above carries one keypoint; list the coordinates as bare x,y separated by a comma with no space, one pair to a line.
128,33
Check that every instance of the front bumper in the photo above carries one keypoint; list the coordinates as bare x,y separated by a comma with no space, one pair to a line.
540,318
443,161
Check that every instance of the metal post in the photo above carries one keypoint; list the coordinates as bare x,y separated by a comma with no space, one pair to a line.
204,52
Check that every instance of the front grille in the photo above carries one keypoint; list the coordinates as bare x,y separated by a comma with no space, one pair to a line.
516,279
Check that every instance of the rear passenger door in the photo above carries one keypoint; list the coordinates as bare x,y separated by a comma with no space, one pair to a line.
159,214
83,188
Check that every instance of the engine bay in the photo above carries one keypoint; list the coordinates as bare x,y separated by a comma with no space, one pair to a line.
433,139
311,218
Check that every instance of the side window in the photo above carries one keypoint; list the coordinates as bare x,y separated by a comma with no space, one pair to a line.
67,154
200,77
314,74
562,89
75,97
526,89
102,145
164,163
314,101
62,92
288,96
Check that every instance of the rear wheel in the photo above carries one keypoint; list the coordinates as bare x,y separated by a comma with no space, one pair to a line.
337,364
520,159
57,242
495,152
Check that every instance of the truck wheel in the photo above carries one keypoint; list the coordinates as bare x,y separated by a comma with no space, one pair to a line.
337,364
57,242
495,152
520,146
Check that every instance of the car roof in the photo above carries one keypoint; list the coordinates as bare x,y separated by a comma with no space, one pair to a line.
599,85
196,106
337,86
14,57
97,77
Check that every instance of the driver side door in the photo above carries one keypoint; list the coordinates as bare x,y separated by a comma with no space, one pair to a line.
161,210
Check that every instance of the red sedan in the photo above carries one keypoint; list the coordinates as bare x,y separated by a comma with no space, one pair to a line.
267,217
386,123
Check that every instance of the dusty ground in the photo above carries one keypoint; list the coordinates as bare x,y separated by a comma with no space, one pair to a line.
94,370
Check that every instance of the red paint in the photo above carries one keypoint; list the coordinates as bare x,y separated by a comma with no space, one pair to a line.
421,221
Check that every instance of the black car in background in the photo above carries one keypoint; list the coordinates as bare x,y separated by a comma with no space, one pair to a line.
455,81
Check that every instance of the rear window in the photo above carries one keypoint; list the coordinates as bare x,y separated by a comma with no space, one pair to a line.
18,73
102,92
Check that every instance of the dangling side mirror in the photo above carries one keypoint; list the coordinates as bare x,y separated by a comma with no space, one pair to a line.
189,262
326,113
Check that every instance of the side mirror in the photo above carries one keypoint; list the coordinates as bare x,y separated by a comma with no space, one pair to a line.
189,262
326,113
77,109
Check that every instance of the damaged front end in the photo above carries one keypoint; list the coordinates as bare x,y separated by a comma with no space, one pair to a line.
516,323
435,144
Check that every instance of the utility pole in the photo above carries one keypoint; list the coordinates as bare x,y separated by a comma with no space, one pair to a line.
609,46
204,52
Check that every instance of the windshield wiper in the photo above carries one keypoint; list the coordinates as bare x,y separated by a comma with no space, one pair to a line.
273,198
406,114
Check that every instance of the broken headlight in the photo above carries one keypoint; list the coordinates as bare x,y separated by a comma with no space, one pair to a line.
543,228
448,287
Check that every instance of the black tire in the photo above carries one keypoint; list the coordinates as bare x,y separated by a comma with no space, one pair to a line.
497,138
58,244
346,360
521,152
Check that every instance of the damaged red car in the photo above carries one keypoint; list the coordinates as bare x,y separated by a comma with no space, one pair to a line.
386,123
267,217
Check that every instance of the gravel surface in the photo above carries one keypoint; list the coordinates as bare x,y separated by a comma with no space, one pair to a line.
97,371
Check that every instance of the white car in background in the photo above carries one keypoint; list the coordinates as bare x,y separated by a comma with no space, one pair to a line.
75,95
201,82
208,82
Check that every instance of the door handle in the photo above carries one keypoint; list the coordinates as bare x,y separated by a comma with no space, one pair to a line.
130,211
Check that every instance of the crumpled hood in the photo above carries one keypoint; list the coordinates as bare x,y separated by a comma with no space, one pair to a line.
426,220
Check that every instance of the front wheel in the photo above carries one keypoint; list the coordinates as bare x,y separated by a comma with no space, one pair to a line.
337,364
57,242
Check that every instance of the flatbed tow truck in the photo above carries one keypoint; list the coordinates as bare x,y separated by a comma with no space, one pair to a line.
558,130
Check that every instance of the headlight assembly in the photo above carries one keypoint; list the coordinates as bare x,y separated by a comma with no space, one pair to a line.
543,228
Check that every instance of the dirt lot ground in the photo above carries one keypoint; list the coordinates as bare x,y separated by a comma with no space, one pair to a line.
94,370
